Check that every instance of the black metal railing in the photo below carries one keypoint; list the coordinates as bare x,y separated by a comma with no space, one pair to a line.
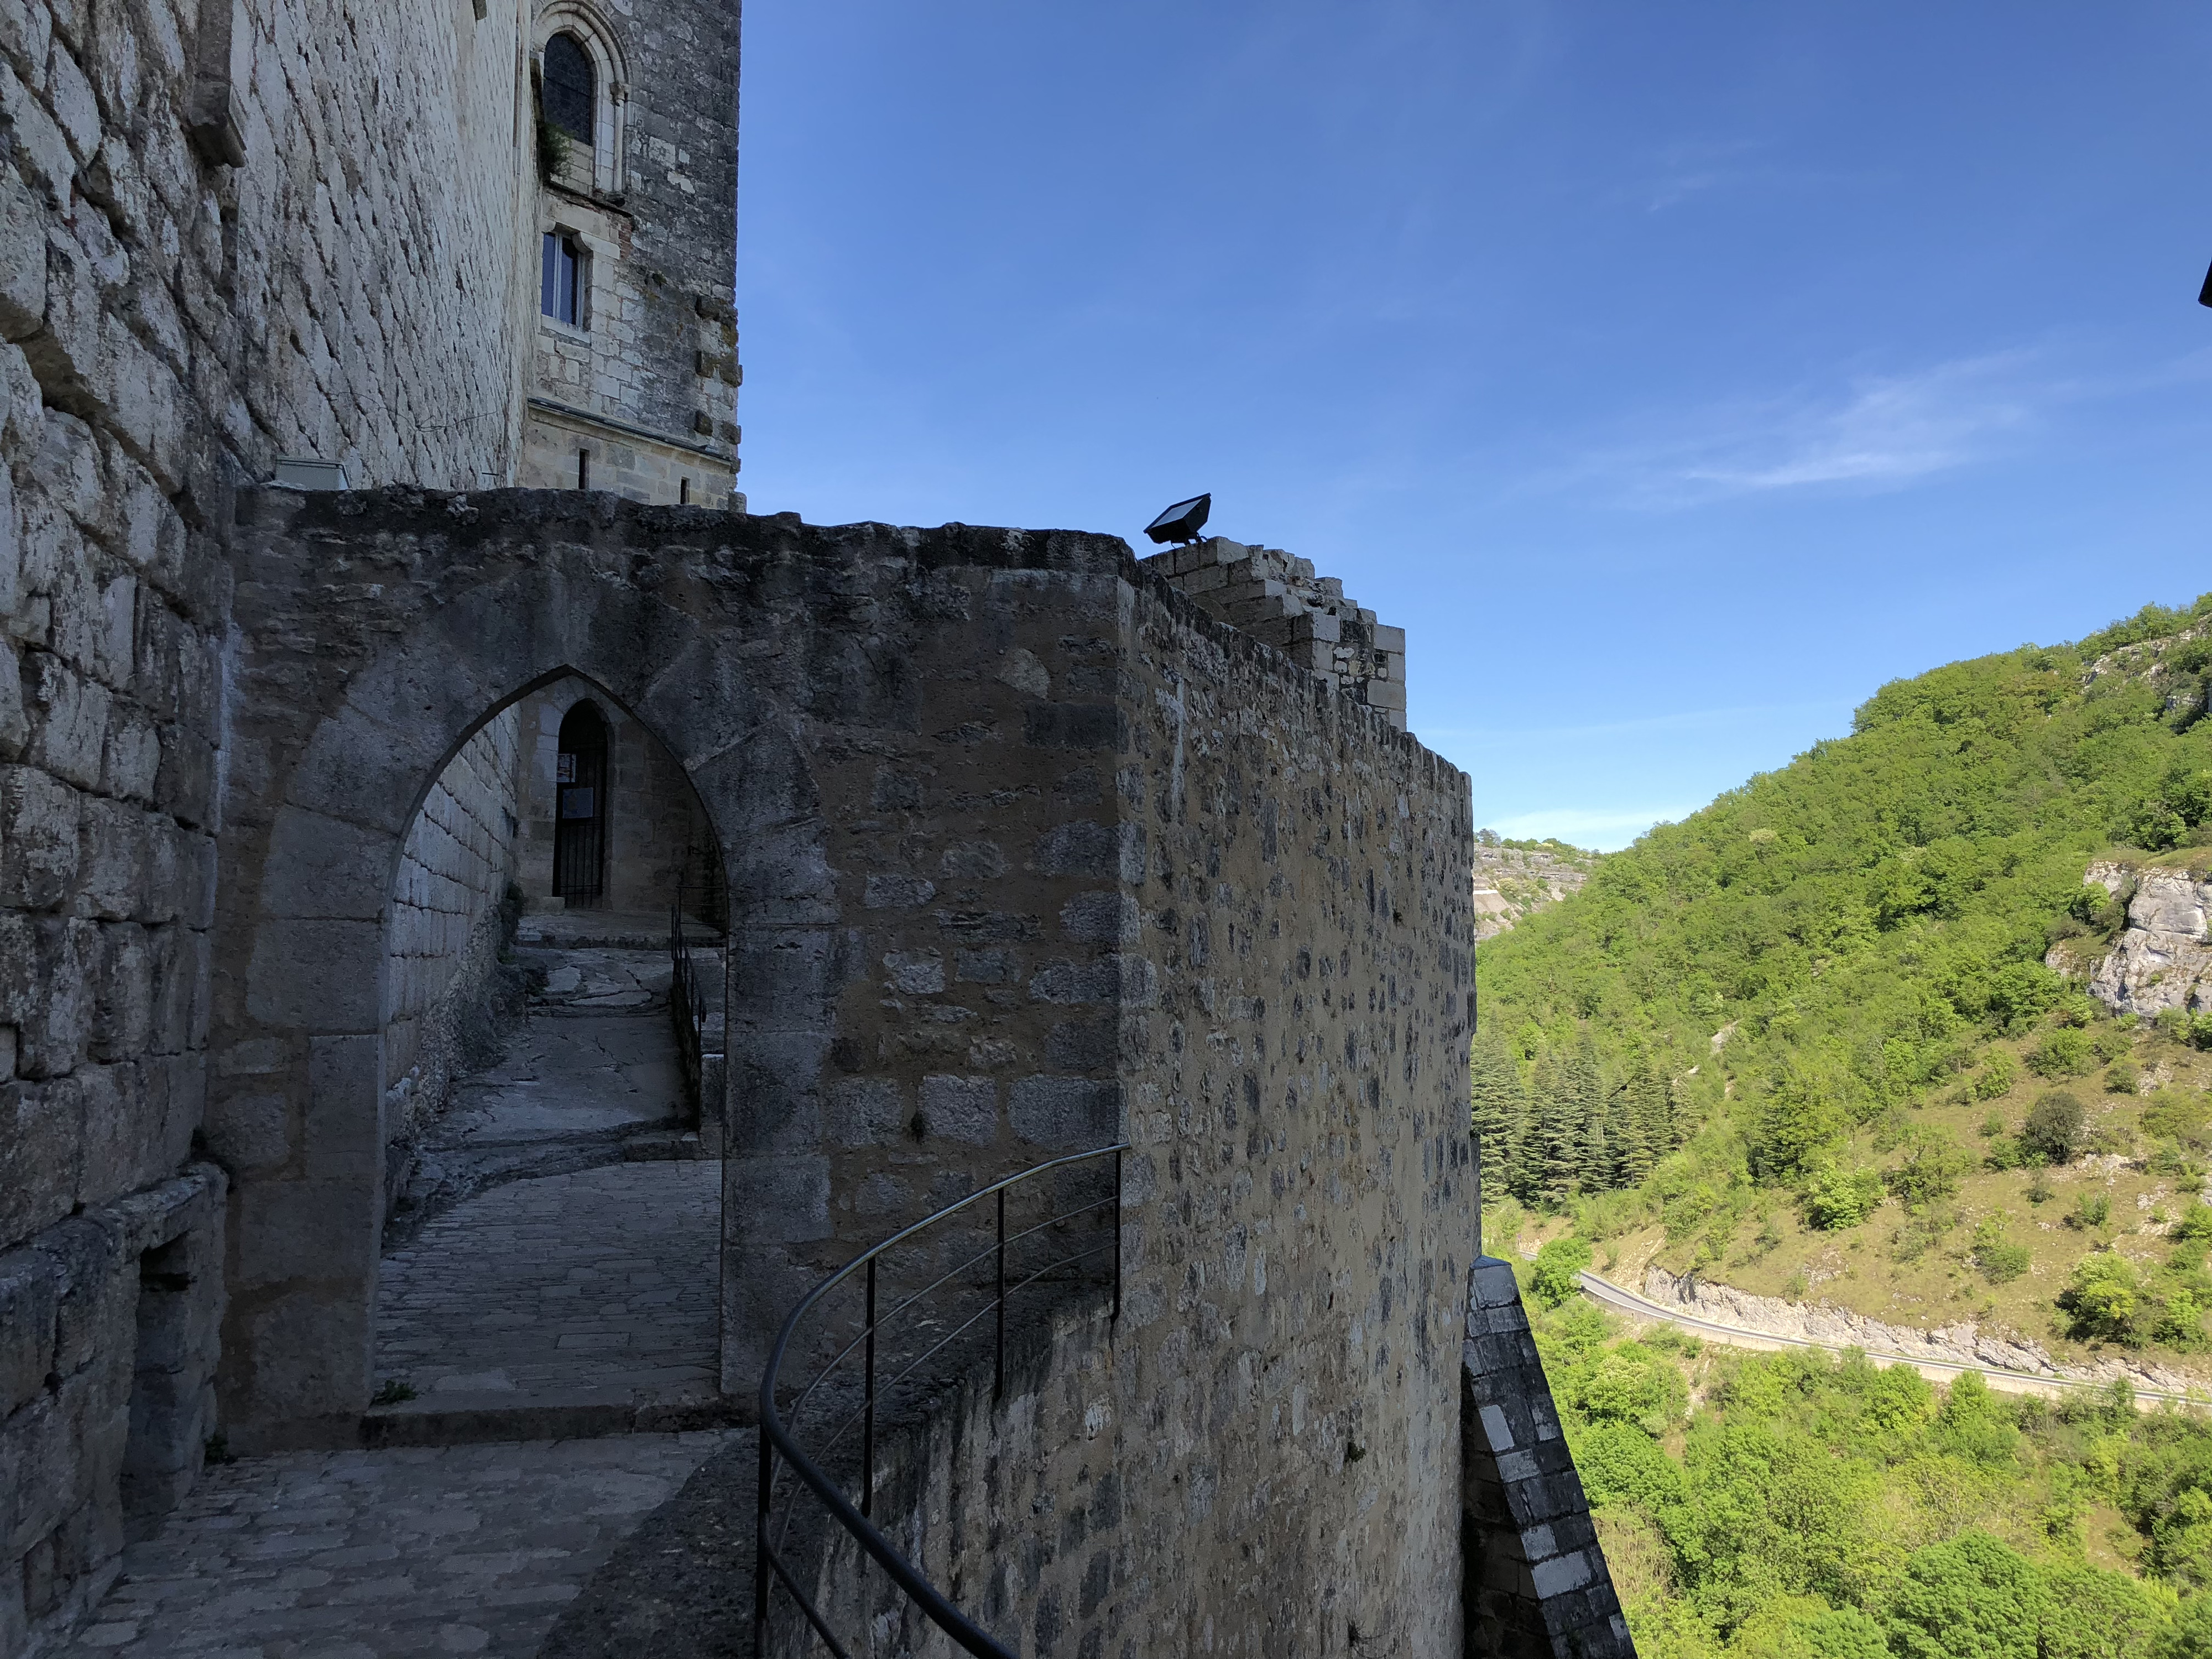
987,1272
687,1004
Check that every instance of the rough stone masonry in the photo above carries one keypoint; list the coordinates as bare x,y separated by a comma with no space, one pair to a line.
1025,848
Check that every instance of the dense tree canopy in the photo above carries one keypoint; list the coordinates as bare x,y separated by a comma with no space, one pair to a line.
1839,939
1805,1508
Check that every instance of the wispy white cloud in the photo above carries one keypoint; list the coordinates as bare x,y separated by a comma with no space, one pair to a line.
1684,170
1876,432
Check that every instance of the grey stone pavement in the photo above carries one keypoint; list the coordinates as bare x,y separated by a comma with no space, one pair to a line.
589,1287
366,1555
568,1080
604,1279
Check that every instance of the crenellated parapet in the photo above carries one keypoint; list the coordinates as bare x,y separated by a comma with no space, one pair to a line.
1277,598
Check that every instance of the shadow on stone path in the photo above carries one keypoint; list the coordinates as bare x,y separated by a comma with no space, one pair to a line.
376,1554
604,1282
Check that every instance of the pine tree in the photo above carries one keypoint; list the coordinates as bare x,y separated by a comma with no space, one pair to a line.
1624,1140
1500,1107
1551,1160
1582,1103
1648,1110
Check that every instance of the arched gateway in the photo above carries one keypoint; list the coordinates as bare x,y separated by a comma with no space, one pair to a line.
1028,851
359,675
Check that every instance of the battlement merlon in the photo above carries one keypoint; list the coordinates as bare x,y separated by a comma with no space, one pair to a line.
1278,600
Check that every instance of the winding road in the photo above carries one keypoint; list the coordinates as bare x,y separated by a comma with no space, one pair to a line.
1609,1295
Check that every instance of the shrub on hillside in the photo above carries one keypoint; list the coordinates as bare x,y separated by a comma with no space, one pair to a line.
1930,1169
2103,1300
2000,1261
2121,1078
1552,1280
2177,1114
1834,1198
2065,1052
1968,1595
1996,1076
1632,1384
2091,1212
2053,1130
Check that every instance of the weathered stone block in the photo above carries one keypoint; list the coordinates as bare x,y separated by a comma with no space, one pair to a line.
864,1112
68,715
40,142
1081,1045
316,974
1074,726
325,867
112,858
97,1297
22,261
1109,916
899,891
963,1108
38,845
57,1023
122,998
344,1137
30,1292
318,1229
781,1200
126,1109
1065,1112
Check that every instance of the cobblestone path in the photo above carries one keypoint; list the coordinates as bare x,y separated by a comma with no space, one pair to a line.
603,1280
376,1554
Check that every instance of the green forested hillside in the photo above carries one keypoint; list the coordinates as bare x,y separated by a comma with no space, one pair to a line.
1791,1506
1748,1009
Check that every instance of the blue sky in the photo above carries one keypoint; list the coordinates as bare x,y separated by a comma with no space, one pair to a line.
1674,375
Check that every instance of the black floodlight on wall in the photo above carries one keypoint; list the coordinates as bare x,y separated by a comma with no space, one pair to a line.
1183,521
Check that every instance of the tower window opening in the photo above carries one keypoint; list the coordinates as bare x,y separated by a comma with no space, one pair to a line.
563,278
583,468
571,89
683,492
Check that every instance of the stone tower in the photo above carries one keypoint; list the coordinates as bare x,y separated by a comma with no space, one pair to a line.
631,370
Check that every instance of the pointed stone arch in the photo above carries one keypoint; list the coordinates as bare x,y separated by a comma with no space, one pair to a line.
352,689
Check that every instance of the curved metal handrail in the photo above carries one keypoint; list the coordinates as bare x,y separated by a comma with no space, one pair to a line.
777,1440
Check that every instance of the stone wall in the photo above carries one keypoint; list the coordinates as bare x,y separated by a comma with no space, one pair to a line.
108,1358
341,285
1277,599
1123,871
630,462
460,855
1537,1583
646,386
1025,853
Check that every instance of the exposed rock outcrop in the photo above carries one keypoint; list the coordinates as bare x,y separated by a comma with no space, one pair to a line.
1963,1344
1513,882
2163,958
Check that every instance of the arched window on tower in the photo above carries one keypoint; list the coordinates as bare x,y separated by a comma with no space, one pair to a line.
571,87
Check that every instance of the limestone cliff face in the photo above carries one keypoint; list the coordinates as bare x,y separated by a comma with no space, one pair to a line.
1513,882
2163,959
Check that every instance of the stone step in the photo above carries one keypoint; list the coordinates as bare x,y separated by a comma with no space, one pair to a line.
466,1418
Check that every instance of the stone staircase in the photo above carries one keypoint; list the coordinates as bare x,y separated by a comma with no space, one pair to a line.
592,1077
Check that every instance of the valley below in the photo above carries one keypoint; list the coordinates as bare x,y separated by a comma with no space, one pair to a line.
1902,1053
